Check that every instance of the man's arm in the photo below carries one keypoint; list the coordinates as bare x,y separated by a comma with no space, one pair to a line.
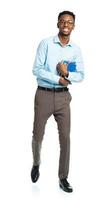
79,74
38,67
73,76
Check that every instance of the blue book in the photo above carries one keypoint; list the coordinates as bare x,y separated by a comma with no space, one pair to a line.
71,66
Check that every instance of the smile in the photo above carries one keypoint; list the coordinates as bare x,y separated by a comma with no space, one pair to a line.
65,29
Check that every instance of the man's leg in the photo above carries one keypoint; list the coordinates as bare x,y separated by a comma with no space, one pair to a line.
62,117
42,111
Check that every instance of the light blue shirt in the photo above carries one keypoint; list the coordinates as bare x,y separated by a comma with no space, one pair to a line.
49,53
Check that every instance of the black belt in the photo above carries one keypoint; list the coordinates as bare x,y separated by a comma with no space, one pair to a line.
53,89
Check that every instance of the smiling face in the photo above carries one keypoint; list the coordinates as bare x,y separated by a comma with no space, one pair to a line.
65,25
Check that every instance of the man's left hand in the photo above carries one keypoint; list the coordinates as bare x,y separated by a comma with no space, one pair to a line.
62,69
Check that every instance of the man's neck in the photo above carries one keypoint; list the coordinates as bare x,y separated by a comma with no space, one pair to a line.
64,39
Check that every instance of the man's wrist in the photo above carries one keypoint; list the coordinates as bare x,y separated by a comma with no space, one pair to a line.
67,75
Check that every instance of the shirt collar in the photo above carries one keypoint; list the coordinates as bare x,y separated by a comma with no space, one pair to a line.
56,40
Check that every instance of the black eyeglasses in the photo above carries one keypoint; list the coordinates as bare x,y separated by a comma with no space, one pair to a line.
69,23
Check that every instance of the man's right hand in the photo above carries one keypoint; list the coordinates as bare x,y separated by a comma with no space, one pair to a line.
63,81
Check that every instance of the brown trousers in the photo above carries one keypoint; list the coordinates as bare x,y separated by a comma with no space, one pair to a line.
49,103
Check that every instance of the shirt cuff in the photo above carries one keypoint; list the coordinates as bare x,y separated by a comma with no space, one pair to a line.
75,76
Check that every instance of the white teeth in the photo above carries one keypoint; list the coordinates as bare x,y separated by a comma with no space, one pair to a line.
65,29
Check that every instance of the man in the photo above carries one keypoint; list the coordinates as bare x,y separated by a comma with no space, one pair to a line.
52,95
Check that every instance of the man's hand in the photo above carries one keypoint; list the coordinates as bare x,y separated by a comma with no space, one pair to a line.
63,81
62,69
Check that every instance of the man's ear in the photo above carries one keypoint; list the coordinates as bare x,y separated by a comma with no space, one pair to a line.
57,25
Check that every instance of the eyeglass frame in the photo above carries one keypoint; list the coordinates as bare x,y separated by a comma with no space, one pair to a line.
69,22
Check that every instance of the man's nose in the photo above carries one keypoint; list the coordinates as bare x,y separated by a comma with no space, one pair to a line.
65,23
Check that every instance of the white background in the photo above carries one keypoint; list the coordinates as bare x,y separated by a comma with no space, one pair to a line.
23,23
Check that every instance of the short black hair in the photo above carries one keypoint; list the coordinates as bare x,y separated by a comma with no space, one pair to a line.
66,12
